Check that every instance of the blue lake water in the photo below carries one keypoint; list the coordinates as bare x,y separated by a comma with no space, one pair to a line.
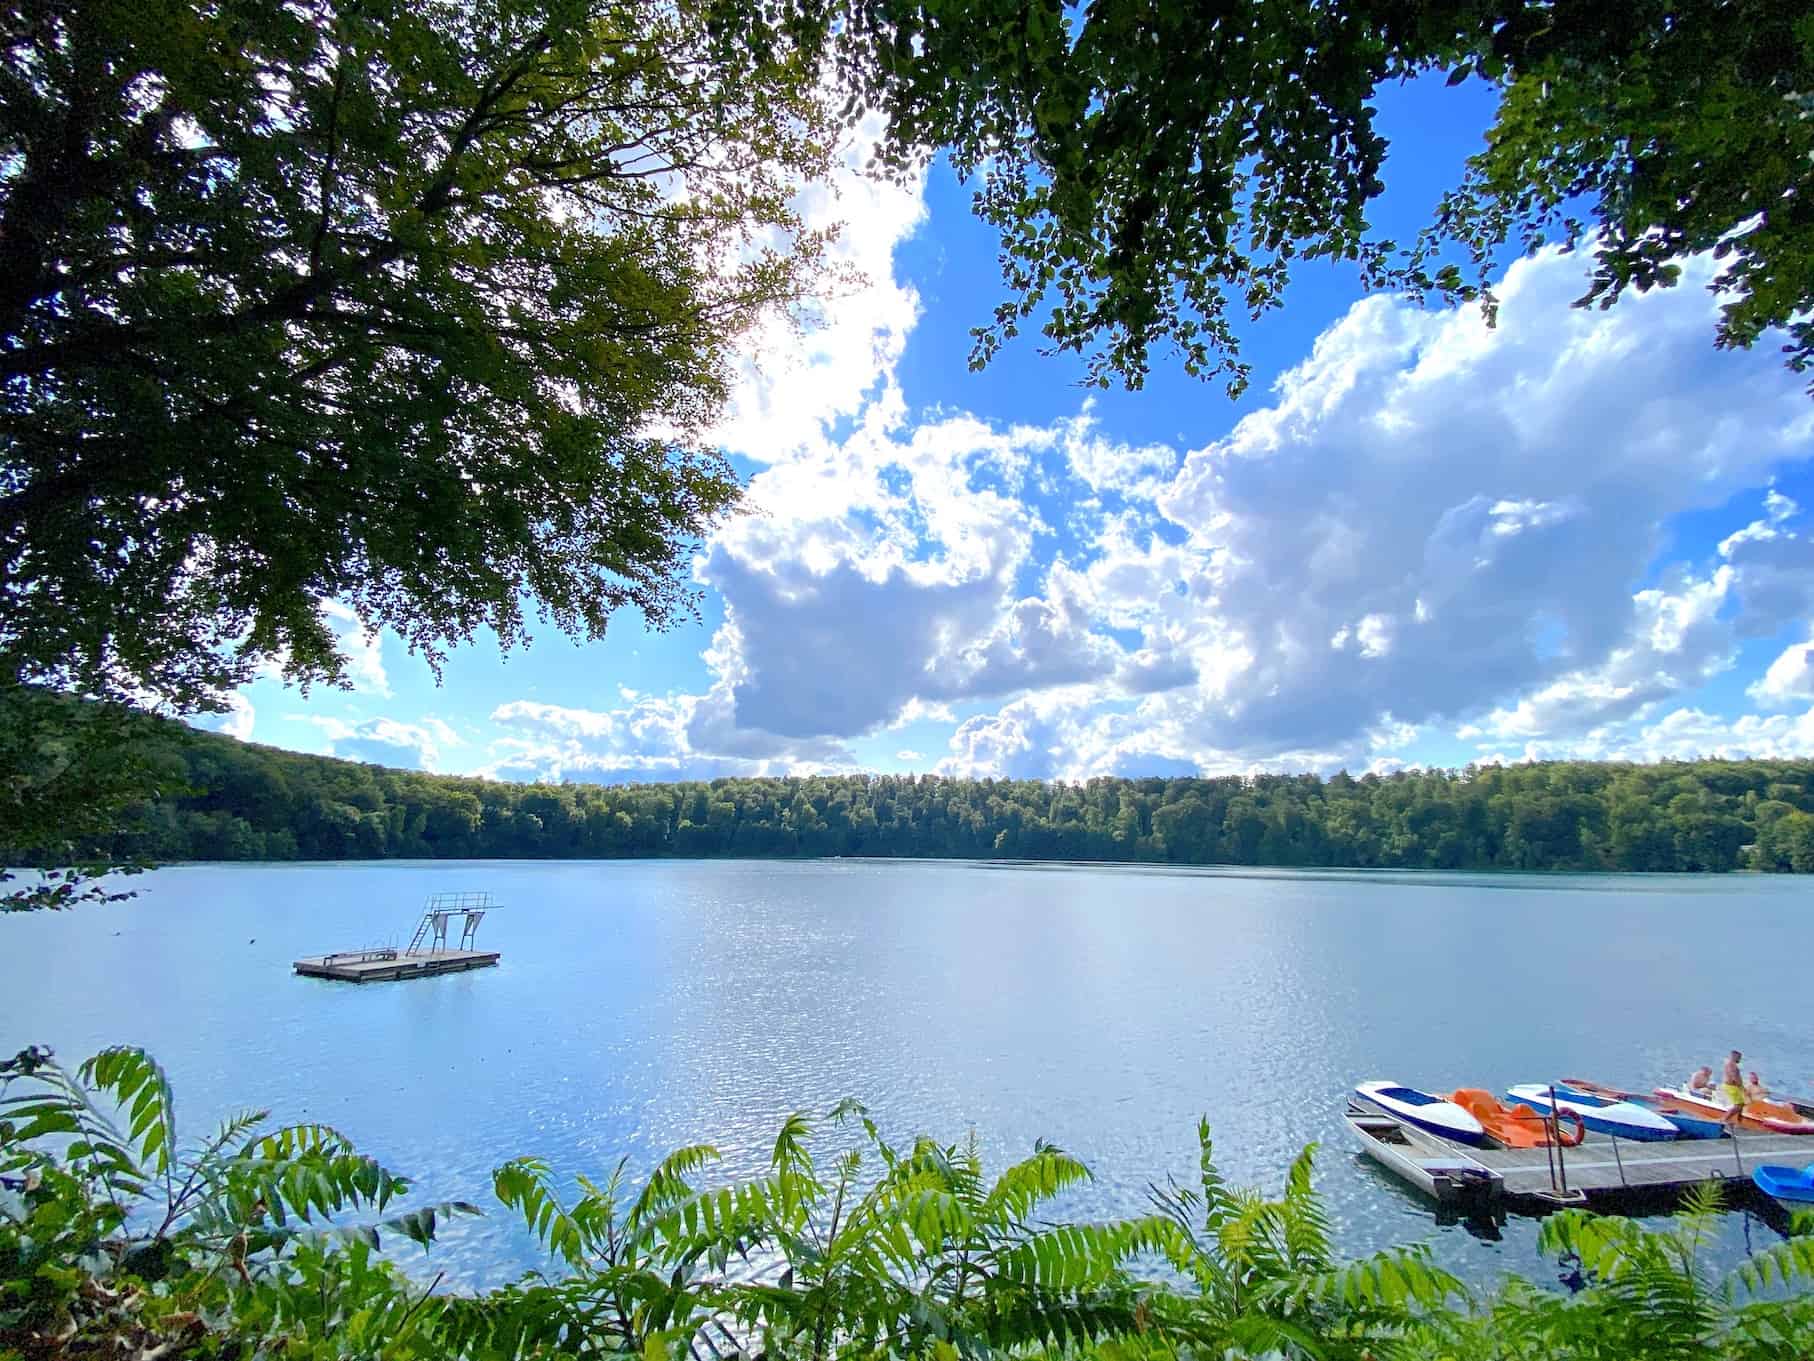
643,1005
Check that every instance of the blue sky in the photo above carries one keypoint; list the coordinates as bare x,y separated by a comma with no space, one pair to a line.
1414,540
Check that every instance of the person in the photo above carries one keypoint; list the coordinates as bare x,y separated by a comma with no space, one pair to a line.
1754,1087
1701,1083
1732,1086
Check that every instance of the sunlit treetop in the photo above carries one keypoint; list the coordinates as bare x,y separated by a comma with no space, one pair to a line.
419,307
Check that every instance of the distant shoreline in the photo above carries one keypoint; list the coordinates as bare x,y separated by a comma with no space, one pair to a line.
234,801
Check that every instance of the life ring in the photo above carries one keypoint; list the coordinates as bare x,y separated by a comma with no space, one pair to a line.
1562,1139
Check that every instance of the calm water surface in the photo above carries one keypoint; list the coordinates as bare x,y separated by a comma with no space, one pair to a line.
643,1005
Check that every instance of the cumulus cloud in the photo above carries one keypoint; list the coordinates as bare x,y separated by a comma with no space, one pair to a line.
237,721
1105,464
672,737
386,741
1685,734
1790,678
1433,527
1433,522
875,579
796,383
1433,516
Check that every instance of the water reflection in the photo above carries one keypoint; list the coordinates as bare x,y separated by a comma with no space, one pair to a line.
644,1005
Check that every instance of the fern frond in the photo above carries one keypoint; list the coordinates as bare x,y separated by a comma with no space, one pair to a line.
1786,1265
524,1186
136,1081
667,1183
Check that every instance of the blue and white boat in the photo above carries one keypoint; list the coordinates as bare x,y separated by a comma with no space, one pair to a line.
1687,1126
1625,1119
1432,1113
1791,1185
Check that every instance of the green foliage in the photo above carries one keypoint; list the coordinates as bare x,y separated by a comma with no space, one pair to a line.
70,770
1652,1294
118,1241
1155,171
1648,132
115,1234
419,308
254,803
1266,1279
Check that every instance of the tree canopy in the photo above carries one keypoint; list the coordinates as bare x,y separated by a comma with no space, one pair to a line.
425,309
418,307
228,800
1156,169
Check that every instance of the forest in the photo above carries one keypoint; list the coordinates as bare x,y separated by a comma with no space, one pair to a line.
230,800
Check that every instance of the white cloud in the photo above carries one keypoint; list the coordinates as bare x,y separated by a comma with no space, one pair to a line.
362,649
386,741
1105,464
906,755
237,721
1432,527
673,737
1433,523
1790,678
917,710
1433,516
1686,734
794,383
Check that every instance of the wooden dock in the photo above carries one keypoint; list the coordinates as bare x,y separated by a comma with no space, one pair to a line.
427,953
1602,1172
384,966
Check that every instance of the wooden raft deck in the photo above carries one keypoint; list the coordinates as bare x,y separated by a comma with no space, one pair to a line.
384,966
1601,1172
1608,1169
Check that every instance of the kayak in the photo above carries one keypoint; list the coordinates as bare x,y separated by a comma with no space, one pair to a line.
1687,1126
1786,1183
1779,1117
1625,1119
1519,1126
1427,1112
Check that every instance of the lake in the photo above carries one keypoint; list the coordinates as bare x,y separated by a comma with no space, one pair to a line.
641,1005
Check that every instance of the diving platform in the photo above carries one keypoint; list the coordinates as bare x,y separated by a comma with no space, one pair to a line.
428,953
1601,1172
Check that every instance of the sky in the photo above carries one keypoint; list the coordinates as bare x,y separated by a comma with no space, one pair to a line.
1415,541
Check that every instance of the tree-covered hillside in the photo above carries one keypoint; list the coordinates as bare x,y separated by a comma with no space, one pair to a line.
245,802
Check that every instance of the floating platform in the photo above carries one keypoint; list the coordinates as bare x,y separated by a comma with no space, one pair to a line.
427,953
384,966
1601,1172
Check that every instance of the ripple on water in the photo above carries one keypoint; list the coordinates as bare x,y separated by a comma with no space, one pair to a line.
645,1005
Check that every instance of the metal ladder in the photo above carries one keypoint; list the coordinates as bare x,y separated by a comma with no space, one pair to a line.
445,905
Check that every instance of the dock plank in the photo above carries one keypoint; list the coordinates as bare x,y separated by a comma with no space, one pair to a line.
1602,1166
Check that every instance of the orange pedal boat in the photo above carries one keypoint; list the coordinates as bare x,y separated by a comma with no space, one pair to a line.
1519,1126
1777,1117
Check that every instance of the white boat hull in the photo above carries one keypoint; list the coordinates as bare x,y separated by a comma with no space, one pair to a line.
1623,1119
1423,1111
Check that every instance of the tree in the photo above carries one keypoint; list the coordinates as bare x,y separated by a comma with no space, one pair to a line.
1155,170
420,309
70,767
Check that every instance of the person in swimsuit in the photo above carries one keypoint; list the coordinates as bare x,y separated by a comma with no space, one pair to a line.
1701,1083
1732,1086
1754,1087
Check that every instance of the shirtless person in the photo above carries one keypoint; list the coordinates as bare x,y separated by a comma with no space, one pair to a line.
1732,1086
1701,1083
